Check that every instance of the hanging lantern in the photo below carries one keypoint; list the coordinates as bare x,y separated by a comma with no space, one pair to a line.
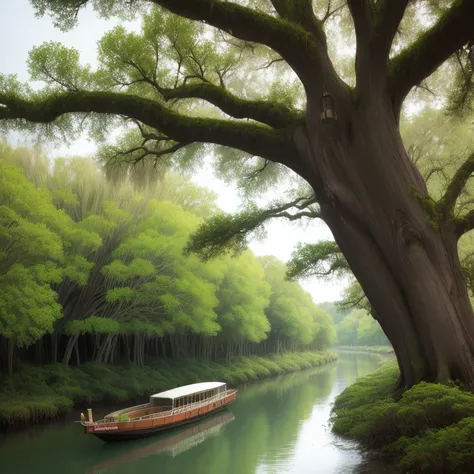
328,111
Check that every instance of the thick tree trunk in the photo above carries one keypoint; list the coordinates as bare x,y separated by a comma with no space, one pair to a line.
406,262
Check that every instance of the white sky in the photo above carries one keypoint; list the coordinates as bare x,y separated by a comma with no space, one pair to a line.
20,31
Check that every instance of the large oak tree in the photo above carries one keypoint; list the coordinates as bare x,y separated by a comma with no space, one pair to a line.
400,244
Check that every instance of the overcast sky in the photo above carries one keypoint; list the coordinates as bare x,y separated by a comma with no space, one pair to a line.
20,31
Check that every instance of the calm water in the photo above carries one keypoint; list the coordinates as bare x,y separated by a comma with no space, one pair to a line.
275,426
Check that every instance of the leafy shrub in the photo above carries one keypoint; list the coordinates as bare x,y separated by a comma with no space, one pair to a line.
430,428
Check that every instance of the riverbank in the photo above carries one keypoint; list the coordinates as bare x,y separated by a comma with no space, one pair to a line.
37,394
430,429
277,425
374,349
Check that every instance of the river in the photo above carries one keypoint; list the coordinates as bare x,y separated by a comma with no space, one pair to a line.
276,426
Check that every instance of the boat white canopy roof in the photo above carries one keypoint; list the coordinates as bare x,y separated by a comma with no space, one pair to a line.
186,390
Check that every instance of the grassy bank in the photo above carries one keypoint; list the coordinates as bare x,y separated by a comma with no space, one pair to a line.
375,349
430,429
36,394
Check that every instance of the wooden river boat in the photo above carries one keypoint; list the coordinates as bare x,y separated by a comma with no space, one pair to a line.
165,410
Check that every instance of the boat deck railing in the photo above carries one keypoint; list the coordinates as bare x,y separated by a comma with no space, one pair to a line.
191,406
174,411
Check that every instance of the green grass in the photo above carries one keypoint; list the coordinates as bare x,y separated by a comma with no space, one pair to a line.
35,394
376,349
430,429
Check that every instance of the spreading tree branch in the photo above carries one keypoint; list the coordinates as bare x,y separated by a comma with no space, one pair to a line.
321,259
274,115
257,140
256,172
464,224
362,16
389,14
457,184
288,39
331,12
420,59
270,63
432,171
350,303
145,152
224,233
301,13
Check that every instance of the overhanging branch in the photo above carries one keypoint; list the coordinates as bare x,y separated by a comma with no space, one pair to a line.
256,140
457,184
274,115
464,224
419,60
224,233
145,152
288,39
322,259
331,11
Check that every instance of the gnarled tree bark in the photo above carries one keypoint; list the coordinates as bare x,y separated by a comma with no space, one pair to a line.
407,263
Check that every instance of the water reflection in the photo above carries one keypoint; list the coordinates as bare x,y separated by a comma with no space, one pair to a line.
275,426
172,444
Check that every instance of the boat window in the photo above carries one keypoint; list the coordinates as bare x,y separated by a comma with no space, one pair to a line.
161,402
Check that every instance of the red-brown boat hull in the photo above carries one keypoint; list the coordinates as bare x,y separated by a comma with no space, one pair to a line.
123,431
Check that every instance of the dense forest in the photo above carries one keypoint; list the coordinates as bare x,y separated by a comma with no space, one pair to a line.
93,268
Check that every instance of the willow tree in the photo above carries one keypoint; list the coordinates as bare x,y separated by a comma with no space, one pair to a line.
341,136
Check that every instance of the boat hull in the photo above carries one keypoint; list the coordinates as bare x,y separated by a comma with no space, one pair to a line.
111,432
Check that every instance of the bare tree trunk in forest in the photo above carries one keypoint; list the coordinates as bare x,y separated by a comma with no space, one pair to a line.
110,350
86,348
54,348
10,352
39,349
69,348
76,350
141,353
163,347
96,346
127,348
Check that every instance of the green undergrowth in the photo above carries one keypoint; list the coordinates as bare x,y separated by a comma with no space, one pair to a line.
429,429
35,394
376,349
